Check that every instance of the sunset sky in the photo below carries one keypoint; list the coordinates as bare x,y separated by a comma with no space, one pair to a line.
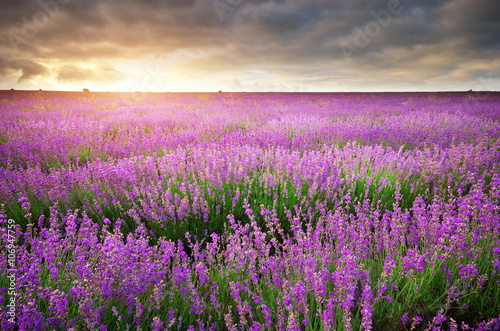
250,45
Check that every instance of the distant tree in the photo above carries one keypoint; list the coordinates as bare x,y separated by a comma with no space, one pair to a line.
86,90
40,90
220,91
12,89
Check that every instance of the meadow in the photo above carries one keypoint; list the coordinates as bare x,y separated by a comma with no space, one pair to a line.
249,211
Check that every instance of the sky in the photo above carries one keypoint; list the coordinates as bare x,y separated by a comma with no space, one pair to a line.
250,45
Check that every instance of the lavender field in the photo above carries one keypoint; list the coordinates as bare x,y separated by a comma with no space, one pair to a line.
248,211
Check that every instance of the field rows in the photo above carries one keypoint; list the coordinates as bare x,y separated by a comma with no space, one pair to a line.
250,211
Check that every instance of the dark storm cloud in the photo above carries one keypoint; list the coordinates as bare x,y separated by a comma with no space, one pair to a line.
27,69
478,21
317,41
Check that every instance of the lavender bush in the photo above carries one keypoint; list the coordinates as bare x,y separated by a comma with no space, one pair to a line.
250,211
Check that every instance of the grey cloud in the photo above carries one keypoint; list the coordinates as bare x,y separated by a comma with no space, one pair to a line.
27,68
305,35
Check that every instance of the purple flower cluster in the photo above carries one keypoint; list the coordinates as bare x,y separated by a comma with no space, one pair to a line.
303,211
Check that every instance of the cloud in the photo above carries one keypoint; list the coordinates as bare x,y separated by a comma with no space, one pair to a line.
297,41
72,73
28,69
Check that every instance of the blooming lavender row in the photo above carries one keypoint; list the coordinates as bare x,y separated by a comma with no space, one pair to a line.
200,181
241,211
110,128
255,277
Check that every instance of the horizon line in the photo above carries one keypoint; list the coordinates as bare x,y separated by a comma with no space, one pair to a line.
220,91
